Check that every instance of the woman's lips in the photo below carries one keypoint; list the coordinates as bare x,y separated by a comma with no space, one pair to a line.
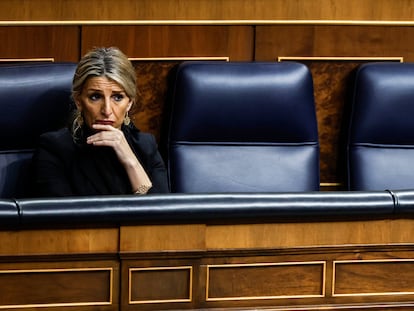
105,122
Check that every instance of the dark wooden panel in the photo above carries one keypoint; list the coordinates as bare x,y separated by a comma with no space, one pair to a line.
155,82
235,42
243,280
333,82
56,287
246,274
60,241
371,278
364,41
161,284
265,281
58,42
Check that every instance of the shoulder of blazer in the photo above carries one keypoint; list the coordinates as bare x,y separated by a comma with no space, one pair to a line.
144,141
59,141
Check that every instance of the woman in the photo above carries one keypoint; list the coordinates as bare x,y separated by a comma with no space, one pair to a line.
103,153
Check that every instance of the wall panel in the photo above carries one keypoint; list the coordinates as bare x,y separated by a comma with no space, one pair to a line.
232,282
136,10
236,270
373,277
333,40
235,42
61,43
59,284
56,287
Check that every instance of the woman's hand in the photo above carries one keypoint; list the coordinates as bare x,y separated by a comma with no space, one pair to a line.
109,136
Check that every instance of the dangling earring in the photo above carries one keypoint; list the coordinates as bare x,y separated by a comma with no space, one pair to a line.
77,127
127,120
78,122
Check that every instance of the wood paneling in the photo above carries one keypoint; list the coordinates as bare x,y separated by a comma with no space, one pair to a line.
333,83
271,281
309,234
280,278
223,262
167,238
370,278
166,282
58,42
215,237
56,287
189,266
339,41
160,285
235,42
62,241
152,110
58,284
98,10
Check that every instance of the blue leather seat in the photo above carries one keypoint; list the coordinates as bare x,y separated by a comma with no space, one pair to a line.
381,138
34,98
243,127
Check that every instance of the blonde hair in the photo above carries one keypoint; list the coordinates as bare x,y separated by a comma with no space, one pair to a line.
108,62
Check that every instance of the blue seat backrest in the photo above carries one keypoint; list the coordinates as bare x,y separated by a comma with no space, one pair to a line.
243,127
34,98
381,138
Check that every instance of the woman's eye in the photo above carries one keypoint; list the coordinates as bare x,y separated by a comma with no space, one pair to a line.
94,97
118,97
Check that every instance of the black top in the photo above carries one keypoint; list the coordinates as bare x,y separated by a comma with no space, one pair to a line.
64,168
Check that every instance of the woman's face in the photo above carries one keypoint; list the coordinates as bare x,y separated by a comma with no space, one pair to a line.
103,101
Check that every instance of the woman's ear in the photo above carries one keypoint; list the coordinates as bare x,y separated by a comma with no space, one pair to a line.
129,105
77,103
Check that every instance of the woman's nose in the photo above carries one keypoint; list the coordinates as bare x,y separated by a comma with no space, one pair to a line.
106,107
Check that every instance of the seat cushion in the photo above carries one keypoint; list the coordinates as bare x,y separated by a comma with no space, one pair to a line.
34,98
243,127
381,141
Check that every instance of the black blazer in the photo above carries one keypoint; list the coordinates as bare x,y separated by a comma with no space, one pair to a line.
64,168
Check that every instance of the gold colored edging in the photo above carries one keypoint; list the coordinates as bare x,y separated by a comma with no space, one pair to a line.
183,58
341,58
131,270
330,184
323,263
62,304
342,306
362,262
210,22
27,60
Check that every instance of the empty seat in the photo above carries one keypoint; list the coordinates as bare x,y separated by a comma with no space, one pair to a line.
381,138
243,127
34,98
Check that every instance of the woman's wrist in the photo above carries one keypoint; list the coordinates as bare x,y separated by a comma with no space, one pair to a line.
142,189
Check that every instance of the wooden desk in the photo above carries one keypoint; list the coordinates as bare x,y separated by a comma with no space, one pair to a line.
281,266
